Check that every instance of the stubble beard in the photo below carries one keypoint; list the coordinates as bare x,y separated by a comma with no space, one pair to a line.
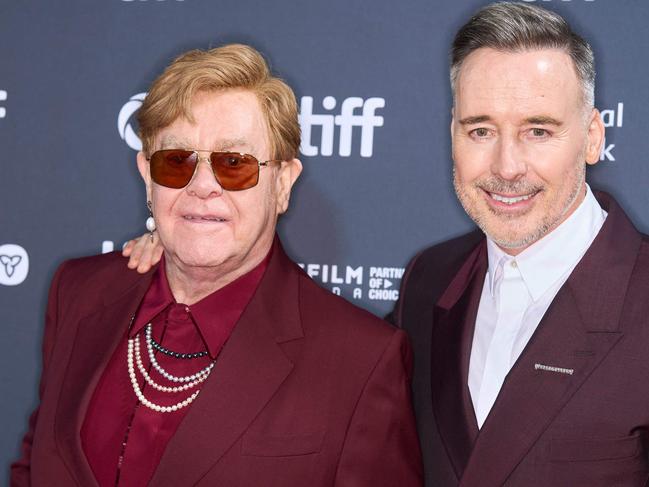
507,238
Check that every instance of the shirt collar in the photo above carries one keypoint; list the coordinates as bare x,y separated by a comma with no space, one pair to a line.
214,316
156,299
544,262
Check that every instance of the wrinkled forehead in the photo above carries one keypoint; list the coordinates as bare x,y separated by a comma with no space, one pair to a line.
228,120
171,141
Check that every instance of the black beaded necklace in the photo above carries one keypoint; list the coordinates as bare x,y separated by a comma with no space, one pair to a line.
171,353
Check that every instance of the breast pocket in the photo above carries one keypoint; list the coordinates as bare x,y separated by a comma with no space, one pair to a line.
594,462
257,445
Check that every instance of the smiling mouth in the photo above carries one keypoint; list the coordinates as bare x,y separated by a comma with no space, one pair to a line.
511,200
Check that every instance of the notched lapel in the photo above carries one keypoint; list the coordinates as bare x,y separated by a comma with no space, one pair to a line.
454,318
249,370
532,396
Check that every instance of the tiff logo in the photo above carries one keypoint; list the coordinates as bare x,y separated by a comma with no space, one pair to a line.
3,97
367,120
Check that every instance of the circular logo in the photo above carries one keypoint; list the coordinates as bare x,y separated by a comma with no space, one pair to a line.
124,128
14,264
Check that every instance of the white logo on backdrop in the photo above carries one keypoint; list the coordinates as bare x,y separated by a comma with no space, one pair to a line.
613,118
3,97
367,120
382,283
124,128
14,264
109,246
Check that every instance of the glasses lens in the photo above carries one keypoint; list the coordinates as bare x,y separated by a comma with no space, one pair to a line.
235,171
173,168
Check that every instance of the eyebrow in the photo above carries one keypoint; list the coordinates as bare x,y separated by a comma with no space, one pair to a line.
229,144
172,142
474,120
543,120
536,120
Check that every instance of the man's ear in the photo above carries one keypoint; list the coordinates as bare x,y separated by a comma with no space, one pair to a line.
453,133
452,124
145,172
288,173
595,137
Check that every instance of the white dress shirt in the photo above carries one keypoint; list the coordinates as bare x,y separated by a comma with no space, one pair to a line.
517,292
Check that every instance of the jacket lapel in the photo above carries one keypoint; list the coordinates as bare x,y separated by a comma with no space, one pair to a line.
250,368
577,332
96,339
454,319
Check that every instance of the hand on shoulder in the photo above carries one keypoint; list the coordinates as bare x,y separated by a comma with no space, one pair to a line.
143,252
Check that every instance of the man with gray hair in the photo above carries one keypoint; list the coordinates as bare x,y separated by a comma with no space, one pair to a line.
531,334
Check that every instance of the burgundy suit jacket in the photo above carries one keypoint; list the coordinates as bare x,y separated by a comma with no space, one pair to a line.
308,391
582,426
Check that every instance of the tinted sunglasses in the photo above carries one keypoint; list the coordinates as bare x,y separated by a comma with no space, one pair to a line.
234,171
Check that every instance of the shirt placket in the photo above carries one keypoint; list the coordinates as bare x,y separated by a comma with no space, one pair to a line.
511,300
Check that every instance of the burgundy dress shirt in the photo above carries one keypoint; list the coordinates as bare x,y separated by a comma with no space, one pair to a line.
124,440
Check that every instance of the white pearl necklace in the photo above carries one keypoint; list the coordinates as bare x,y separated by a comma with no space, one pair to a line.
138,391
155,385
163,372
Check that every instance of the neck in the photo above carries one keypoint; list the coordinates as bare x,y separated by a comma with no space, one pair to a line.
190,284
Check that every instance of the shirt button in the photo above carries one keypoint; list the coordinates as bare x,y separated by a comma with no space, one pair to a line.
513,264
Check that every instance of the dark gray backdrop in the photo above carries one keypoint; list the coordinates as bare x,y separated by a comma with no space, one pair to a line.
69,185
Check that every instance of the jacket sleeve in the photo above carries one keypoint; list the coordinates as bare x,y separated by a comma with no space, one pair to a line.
20,474
381,444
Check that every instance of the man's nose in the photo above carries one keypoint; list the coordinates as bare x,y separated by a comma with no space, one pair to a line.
204,183
510,159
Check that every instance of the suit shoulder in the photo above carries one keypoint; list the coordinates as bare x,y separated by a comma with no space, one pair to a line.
95,265
354,339
96,272
444,256
96,261
319,305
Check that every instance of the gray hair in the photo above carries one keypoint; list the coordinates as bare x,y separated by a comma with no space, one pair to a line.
516,27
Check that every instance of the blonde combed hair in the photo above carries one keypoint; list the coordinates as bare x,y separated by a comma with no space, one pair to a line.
233,66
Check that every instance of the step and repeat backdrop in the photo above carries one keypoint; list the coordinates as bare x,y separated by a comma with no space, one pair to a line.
372,85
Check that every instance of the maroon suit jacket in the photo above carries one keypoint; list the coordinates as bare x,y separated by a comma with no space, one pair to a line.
584,426
308,391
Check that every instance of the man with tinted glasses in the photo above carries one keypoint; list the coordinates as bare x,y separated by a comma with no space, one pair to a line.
225,364
531,336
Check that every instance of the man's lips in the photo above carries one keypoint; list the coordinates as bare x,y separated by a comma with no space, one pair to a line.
204,218
513,201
